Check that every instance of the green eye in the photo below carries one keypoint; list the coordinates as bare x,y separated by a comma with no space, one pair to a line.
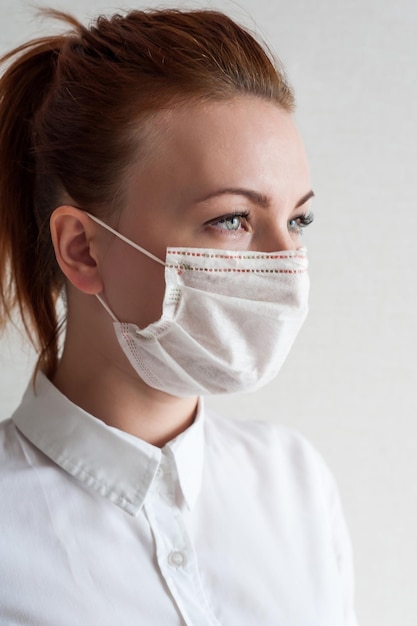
232,222
297,224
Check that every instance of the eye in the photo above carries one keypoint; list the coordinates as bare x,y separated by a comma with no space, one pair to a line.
297,224
232,222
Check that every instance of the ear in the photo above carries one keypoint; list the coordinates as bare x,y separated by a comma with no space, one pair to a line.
73,238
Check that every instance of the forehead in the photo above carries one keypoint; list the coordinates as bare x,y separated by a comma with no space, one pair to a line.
246,140
224,123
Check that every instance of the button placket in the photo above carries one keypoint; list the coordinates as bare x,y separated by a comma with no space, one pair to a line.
174,549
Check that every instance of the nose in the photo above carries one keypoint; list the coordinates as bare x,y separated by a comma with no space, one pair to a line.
274,238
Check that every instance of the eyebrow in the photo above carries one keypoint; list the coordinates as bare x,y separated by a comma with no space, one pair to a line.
254,196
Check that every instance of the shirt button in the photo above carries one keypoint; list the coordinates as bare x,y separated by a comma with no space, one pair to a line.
176,559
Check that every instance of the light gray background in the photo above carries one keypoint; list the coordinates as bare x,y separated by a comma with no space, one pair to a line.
350,382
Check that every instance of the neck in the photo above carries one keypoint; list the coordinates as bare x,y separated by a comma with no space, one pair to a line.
111,392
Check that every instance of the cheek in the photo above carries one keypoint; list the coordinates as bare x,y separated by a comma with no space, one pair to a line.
134,287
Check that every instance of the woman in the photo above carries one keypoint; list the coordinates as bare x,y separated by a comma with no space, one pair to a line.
151,172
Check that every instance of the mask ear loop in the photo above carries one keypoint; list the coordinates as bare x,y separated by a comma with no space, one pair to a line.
125,239
108,309
131,243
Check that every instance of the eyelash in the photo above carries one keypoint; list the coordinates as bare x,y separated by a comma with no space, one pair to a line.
242,215
301,222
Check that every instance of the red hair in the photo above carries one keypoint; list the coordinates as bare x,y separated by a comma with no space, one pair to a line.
72,116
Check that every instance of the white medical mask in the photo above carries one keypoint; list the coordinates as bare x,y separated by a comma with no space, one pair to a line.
228,320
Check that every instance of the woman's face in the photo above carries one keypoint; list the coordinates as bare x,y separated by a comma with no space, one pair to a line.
229,175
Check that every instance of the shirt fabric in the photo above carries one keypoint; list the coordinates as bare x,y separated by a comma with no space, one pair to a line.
233,523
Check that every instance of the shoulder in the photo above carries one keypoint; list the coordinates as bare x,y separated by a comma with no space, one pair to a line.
268,440
18,458
18,481
11,445
273,455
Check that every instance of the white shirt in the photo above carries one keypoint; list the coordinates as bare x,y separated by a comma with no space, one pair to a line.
233,523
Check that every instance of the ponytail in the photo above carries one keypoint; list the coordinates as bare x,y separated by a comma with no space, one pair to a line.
29,277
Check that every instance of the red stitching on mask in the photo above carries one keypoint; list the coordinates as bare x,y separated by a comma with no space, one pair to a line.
236,256
184,268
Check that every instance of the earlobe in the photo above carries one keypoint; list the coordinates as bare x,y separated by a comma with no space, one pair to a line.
72,234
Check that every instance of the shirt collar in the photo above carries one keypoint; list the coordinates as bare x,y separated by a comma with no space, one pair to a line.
118,466
187,451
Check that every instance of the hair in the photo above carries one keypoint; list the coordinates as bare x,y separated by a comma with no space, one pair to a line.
73,110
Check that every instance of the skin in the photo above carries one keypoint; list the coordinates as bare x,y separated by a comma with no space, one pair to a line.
178,195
